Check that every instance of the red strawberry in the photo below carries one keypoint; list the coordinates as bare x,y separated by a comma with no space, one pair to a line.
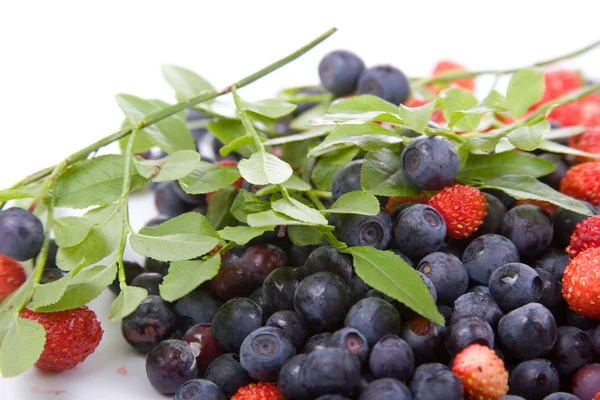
227,163
71,336
583,182
257,391
544,205
558,83
581,283
586,236
589,142
396,201
445,66
590,107
567,114
482,372
463,208
12,275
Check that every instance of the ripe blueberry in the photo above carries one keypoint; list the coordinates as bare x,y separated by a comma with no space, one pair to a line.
486,254
199,389
386,82
447,273
227,373
21,234
235,320
170,364
364,230
339,72
529,228
153,321
374,318
430,162
264,352
419,230
514,285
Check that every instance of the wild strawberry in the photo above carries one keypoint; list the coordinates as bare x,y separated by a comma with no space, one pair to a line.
257,391
482,372
589,142
227,163
590,107
583,182
437,116
396,201
71,336
463,208
581,283
12,275
586,236
544,205
567,114
446,66
560,82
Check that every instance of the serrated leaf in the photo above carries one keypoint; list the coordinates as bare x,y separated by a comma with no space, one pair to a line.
485,142
295,209
84,287
126,302
356,202
50,293
174,166
361,104
187,84
553,147
22,347
305,235
228,130
459,99
97,181
18,297
208,178
293,184
272,218
417,118
494,102
523,187
357,119
526,87
70,231
170,134
246,203
391,275
302,121
264,168
528,137
191,222
185,276
243,234
369,137
329,164
174,247
270,108
382,175
482,167
12,194
218,212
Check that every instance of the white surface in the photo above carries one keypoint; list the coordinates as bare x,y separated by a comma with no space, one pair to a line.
62,62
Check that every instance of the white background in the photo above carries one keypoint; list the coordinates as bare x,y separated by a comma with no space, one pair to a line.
62,62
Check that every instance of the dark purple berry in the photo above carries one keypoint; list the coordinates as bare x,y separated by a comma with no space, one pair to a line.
467,330
425,338
292,324
264,352
430,162
132,270
328,259
419,230
279,289
573,349
339,72
486,254
261,259
514,285
196,307
534,379
199,389
364,230
448,275
227,373
351,340
289,381
385,81
170,364
529,228
392,357
374,318
204,344
316,342
386,388
149,281
153,321
480,305
21,234
234,279
331,370
235,320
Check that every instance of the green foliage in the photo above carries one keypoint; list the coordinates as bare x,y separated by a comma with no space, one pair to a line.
22,346
357,202
382,175
219,208
242,234
185,276
187,84
174,166
208,178
264,168
126,302
482,167
525,88
246,203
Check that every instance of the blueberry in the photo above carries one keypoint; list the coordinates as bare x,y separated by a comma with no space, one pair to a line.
586,381
364,230
197,200
419,230
529,228
170,364
322,300
53,274
168,202
234,279
553,178
358,289
351,340
504,198
316,342
552,288
153,321
374,318
331,370
257,297
467,330
347,179
204,344
430,162
511,397
424,372
597,340
492,223
199,389
554,261
386,388
534,379
392,357
21,234
292,325
332,397
289,381
149,281
514,285
132,270
573,349
565,222
486,254
264,352
51,255
561,396
235,320
480,305
261,259
196,307
442,384
279,288
160,267
328,259
386,82
339,72
527,332
227,373
579,321
299,254
448,274
404,257
446,313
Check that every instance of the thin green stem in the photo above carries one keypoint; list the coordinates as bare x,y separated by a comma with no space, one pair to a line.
312,195
322,193
241,109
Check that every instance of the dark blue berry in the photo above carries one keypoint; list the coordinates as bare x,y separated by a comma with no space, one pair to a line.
364,230
196,307
153,321
586,381
565,222
424,372
386,82
486,254
464,331
197,200
374,318
386,388
506,199
264,352
322,300
553,178
447,273
442,384
331,370
234,279
492,223
292,325
358,289
561,396
514,285
529,228
511,397
430,162
199,389
328,259
527,332
132,269
316,342
299,254
404,257
227,373
351,340
149,281
392,357
450,249
51,256
53,274
597,340
552,288
339,72
257,297
235,320
160,267
289,381
170,364
332,397
554,261
573,349
579,321
480,305
347,179
21,234
168,202
534,379
419,230
279,288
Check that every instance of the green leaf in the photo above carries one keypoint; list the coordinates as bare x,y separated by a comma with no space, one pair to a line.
243,234
417,118
187,84
329,164
529,137
390,274
264,168
84,287
356,202
369,137
482,167
302,121
554,147
11,194
18,297
485,142
523,187
294,209
174,166
185,276
494,102
305,235
563,133
22,347
174,247
208,178
170,134
526,87
50,293
126,302
357,118
97,181
270,108
272,218
218,212
191,222
361,104
228,130
459,99
294,184
382,175
246,203
6,318
70,231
